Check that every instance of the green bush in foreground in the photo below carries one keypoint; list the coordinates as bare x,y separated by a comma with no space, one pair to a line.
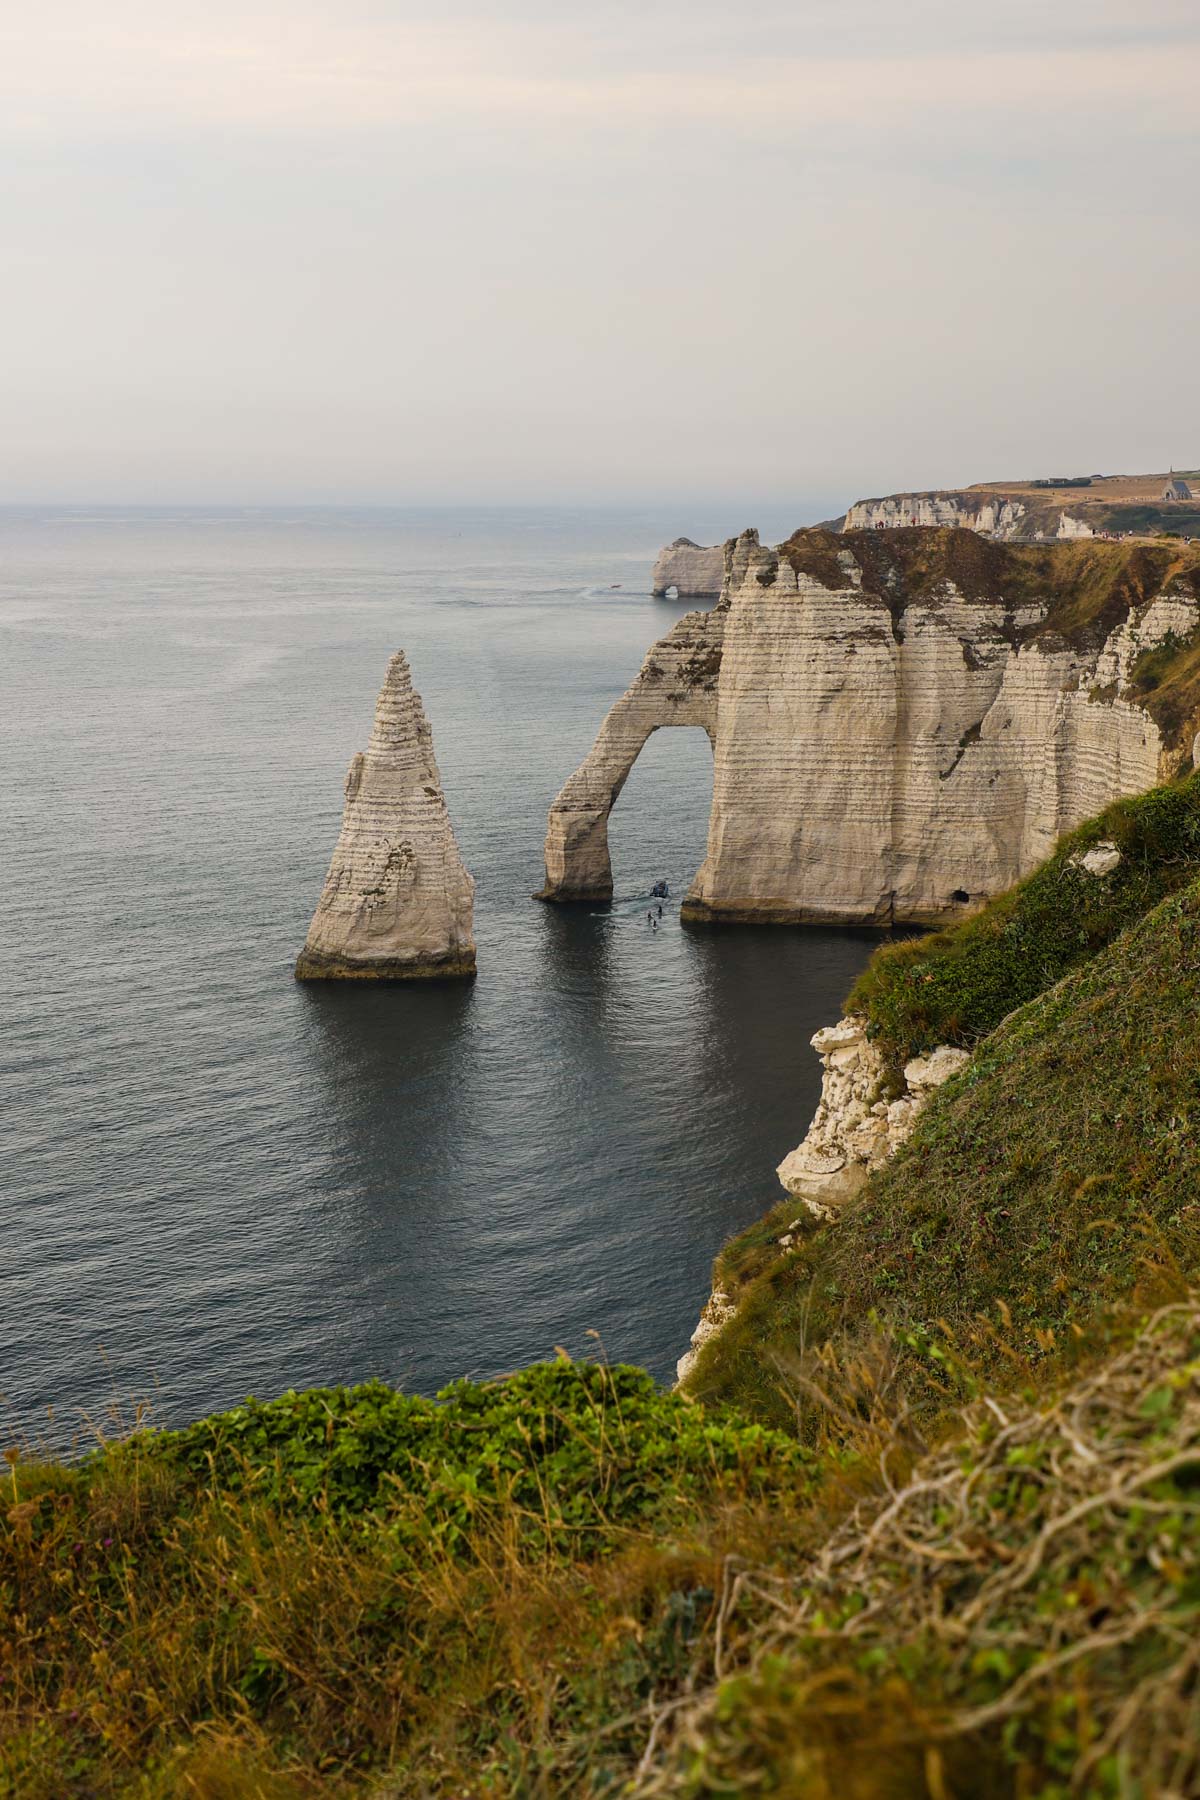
292,1595
955,986
575,1450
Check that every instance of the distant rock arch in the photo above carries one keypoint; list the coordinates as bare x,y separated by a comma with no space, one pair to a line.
692,571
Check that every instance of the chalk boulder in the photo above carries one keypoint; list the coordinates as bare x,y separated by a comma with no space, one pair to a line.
860,1120
1101,859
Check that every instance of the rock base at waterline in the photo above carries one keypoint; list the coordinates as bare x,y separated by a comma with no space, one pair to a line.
333,968
774,912
599,895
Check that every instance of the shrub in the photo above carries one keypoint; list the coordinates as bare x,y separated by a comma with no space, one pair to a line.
574,1451
280,1600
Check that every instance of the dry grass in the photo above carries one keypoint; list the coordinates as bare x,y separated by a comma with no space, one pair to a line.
1104,487
1013,1614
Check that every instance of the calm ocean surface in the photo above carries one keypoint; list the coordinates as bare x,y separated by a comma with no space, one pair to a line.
214,1181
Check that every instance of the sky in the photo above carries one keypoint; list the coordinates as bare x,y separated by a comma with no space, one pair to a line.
386,251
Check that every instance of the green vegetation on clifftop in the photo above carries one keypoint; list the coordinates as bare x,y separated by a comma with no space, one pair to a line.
575,1451
956,985
1086,588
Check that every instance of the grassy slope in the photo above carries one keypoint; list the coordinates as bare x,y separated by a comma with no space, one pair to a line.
1016,1617
284,1598
1037,1187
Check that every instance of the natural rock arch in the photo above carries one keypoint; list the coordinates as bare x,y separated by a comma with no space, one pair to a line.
902,722
690,571
677,685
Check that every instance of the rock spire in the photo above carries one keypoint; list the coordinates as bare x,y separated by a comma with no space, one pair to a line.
397,901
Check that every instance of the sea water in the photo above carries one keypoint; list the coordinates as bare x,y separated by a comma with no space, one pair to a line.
214,1181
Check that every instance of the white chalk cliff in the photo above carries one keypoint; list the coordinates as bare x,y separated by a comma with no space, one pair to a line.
902,723
860,1122
397,902
1006,518
694,571
861,1119
1045,510
992,514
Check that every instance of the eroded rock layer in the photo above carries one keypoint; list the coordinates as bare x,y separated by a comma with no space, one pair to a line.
397,902
903,723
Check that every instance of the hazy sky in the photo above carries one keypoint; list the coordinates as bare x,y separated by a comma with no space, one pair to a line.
500,250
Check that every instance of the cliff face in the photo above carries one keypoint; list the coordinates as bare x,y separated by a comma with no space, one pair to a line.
903,724
863,1116
693,571
1060,508
991,514
397,902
